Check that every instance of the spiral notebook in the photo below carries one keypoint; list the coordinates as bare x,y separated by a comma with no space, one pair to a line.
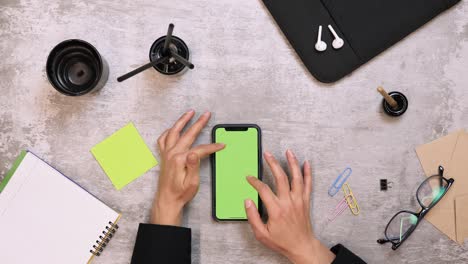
47,218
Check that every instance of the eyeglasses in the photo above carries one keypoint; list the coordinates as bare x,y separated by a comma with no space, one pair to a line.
403,223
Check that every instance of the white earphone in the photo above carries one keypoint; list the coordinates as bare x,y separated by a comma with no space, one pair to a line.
337,42
320,45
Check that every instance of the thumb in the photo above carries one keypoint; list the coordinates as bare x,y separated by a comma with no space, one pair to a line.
193,169
255,222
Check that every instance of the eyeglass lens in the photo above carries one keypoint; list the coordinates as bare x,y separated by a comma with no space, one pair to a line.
400,225
431,191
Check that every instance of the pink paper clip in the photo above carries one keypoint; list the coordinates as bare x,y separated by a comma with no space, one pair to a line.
339,209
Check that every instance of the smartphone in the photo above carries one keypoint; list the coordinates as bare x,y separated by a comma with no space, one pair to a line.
241,157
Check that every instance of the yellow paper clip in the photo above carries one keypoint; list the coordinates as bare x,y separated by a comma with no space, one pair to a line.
350,199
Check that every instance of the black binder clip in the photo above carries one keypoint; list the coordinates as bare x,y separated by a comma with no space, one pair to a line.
385,184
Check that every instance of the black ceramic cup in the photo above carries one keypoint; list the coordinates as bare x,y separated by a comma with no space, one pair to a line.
74,67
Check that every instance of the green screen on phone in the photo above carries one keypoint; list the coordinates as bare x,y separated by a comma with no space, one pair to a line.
232,164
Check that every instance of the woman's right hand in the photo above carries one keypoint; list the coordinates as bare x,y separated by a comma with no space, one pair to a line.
288,230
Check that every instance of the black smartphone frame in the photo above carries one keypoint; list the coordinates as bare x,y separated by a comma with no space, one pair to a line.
234,127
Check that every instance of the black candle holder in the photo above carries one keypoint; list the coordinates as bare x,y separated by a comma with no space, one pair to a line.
171,66
402,102
168,55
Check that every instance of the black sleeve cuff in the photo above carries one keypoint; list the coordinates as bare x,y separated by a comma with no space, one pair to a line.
344,256
162,244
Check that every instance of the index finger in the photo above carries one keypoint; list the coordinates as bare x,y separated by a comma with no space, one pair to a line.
267,195
207,149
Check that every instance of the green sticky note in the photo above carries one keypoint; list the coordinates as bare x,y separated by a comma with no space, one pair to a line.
124,156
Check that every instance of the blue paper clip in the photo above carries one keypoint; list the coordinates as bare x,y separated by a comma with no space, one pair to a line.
340,180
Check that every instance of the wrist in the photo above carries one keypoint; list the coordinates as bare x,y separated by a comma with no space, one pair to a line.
313,252
164,213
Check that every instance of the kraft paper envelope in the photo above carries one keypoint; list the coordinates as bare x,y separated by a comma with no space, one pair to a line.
458,169
437,152
451,152
461,217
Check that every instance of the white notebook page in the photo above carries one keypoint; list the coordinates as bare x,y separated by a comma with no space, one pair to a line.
47,218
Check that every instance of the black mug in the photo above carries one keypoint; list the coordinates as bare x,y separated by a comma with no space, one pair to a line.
74,67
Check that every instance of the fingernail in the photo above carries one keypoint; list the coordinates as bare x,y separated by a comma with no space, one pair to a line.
268,154
306,164
249,177
206,114
290,153
248,203
221,145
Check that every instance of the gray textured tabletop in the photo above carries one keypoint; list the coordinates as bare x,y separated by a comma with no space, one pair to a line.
245,72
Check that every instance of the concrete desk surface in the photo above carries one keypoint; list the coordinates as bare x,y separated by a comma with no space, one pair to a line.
245,72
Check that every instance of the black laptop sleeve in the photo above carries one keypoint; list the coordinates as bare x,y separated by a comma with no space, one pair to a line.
368,27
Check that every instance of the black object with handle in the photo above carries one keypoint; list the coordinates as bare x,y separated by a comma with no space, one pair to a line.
368,27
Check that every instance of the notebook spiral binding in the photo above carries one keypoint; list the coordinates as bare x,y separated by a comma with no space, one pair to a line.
104,239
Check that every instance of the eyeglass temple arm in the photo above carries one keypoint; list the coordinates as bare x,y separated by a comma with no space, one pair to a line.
441,170
382,241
